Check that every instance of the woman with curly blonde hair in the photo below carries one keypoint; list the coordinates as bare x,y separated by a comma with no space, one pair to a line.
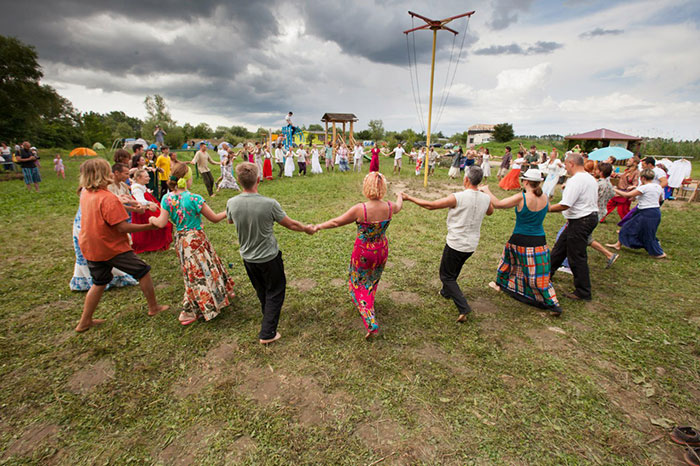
371,248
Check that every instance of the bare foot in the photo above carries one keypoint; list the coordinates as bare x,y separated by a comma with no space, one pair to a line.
93,323
462,318
270,340
159,309
615,246
494,286
662,256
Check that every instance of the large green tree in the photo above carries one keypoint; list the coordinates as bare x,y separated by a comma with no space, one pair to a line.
503,132
22,98
376,127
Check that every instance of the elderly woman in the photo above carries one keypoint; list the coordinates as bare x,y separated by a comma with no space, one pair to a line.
639,231
371,248
523,271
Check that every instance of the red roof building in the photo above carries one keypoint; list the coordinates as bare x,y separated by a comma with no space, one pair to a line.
607,136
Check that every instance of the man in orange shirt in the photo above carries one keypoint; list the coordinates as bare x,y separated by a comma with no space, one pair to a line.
104,242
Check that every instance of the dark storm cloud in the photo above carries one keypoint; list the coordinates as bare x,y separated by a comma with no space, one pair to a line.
505,12
376,32
601,32
540,47
123,45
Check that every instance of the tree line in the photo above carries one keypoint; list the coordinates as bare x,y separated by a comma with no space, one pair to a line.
36,112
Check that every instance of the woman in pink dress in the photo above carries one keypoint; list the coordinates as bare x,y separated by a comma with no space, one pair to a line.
374,163
371,248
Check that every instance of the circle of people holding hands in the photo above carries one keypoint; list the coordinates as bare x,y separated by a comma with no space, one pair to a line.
115,221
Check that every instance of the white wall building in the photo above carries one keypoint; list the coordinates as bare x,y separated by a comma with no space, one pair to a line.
479,134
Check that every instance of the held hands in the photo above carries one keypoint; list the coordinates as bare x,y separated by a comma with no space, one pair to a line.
310,229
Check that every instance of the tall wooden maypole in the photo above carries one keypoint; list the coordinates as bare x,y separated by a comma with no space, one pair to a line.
435,26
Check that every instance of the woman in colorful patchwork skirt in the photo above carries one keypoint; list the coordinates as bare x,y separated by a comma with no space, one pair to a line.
523,271
371,245
208,287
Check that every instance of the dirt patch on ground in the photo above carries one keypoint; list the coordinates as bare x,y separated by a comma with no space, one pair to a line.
85,380
549,339
312,405
384,285
184,449
383,436
38,313
216,366
240,448
162,285
339,282
406,297
303,284
409,263
36,436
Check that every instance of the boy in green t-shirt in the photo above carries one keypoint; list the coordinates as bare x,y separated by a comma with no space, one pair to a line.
254,216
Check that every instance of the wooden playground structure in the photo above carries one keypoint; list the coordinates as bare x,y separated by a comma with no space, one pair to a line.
343,118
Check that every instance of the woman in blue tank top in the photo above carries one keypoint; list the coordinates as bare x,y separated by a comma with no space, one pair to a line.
523,271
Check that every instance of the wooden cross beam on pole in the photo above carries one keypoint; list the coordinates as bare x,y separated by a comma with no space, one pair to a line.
435,26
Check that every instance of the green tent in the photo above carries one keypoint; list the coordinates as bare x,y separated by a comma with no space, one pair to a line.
98,146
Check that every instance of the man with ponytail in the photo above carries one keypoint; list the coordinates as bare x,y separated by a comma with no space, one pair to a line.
254,216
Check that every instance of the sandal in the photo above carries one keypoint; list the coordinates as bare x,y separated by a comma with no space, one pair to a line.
692,456
687,436
189,318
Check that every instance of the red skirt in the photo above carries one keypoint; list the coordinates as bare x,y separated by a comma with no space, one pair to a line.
151,240
374,164
511,180
267,169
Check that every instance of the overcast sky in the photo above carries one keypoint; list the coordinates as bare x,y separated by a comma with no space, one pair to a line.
547,66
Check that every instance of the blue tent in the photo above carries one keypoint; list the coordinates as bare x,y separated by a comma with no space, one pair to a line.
185,146
153,146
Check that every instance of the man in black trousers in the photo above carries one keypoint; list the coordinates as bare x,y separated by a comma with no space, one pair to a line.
255,216
579,205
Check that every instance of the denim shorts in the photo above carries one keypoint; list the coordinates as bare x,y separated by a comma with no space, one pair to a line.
31,175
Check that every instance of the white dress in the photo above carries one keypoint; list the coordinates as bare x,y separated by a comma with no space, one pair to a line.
289,164
554,170
228,181
315,163
486,165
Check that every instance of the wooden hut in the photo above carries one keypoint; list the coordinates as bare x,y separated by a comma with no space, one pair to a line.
343,118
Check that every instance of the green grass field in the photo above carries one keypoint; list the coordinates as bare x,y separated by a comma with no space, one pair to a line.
510,386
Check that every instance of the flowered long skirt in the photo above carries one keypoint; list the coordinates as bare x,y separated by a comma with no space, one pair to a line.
366,267
523,272
208,288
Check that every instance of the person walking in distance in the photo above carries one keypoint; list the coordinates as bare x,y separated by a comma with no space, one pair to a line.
202,159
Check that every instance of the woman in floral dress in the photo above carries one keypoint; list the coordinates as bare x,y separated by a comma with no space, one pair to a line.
208,287
371,248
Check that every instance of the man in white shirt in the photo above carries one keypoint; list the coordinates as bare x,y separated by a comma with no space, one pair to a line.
301,159
398,155
357,155
466,212
579,205
660,176
288,119
279,159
